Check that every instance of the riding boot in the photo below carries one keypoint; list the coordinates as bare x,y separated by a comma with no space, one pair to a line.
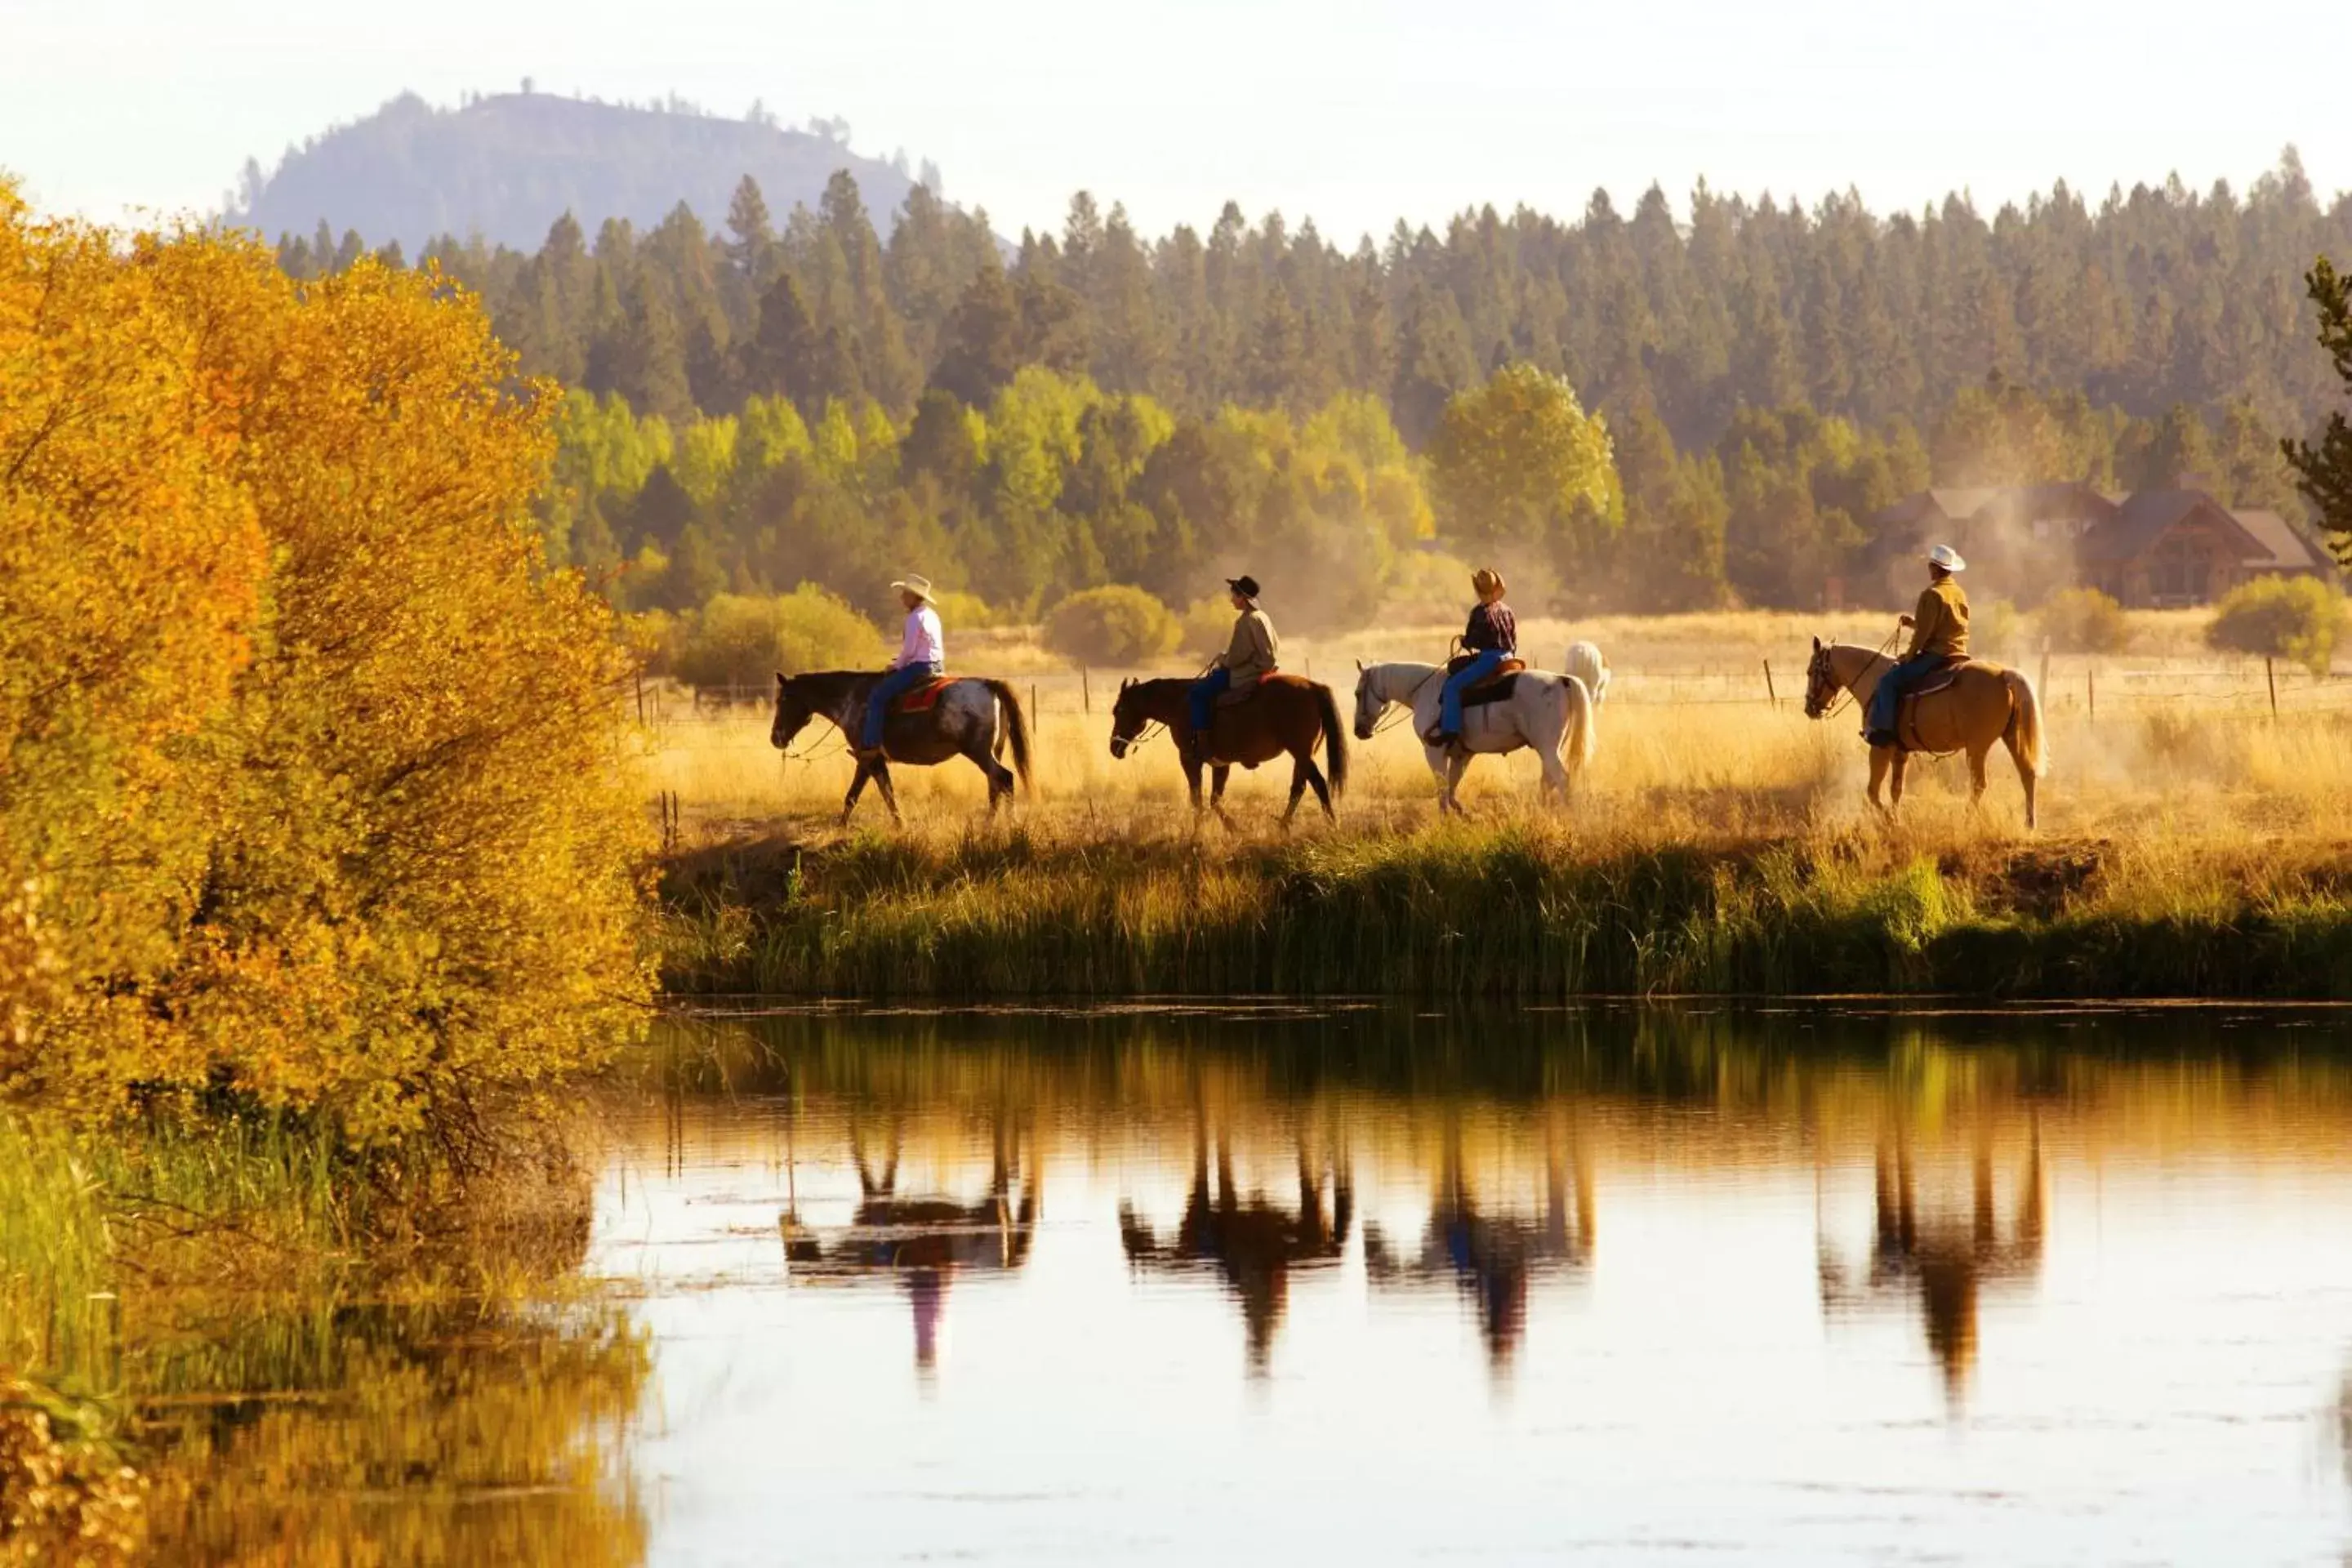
1440,737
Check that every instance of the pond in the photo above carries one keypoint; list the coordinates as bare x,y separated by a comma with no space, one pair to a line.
1363,1284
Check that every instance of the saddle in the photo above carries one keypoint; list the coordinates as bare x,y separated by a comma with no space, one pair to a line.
923,698
1907,712
1494,687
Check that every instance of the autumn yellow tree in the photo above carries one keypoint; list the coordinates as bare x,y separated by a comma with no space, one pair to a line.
314,787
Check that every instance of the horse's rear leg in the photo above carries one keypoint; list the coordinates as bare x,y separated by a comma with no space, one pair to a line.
1320,784
2026,776
1977,775
1000,778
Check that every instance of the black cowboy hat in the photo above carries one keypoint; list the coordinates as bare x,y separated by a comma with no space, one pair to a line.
1246,587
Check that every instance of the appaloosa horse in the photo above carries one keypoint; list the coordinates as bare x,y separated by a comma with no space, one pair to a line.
1979,703
1283,713
964,717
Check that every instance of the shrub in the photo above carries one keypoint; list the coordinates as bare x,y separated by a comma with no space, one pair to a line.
1117,626
2293,618
313,790
2083,620
742,639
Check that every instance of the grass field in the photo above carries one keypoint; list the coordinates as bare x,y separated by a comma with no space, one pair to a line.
2191,843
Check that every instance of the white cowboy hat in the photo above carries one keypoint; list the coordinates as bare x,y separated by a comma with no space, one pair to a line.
911,584
1946,557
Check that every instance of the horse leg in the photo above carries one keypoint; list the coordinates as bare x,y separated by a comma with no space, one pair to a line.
999,780
1977,775
1879,757
889,795
1193,781
1217,777
1457,763
857,788
1901,766
2026,776
1316,781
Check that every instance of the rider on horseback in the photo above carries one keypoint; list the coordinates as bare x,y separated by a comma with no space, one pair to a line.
922,656
1492,637
1247,659
1940,636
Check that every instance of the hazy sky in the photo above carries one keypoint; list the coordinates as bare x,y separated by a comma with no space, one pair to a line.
1354,114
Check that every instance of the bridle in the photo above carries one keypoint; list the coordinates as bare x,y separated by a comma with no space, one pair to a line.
1395,711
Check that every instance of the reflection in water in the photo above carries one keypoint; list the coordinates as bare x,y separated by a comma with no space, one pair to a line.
1490,1256
1252,1243
1947,1259
2010,1288
921,1240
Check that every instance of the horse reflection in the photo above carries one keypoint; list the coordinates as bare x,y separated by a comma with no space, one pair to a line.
1252,1241
1490,1257
924,1240
1947,1260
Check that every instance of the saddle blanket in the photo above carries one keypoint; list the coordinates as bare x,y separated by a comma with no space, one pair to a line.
1496,688
923,698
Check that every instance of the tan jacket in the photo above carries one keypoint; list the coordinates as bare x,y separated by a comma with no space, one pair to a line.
1940,623
1251,657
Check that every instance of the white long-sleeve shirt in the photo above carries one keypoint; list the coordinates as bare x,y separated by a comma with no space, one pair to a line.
923,642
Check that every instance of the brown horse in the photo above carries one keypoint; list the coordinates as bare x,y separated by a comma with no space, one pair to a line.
1984,703
1285,713
970,718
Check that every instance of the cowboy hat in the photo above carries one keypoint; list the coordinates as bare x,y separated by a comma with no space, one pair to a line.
1946,557
920,586
1246,586
1486,580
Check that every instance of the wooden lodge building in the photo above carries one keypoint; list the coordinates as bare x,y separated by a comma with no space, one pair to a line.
2152,550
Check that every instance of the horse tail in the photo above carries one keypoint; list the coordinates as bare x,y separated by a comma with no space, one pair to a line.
1015,730
1334,740
2025,731
1582,735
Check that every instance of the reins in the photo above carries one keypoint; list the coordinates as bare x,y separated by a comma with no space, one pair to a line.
1846,698
1395,714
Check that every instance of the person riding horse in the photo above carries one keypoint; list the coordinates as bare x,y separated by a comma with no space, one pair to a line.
1492,637
1940,636
1249,659
922,656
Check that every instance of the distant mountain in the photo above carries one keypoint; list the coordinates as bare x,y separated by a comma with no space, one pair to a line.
507,167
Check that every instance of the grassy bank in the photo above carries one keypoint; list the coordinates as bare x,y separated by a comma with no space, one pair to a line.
1524,910
222,1339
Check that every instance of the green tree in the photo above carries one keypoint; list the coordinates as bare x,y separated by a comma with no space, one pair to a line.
2324,471
1517,467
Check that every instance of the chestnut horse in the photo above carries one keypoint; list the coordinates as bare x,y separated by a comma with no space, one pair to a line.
1984,703
1283,713
971,718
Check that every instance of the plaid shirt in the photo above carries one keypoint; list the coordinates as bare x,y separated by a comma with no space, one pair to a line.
1491,627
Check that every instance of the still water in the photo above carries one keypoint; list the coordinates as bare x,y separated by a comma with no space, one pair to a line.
1365,1285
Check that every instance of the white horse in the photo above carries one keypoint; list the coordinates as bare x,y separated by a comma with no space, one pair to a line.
1552,714
1585,663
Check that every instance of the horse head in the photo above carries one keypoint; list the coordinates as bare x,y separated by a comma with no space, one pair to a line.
792,713
1369,703
1127,719
1822,683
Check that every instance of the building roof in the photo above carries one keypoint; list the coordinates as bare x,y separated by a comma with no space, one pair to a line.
1957,501
2289,550
2147,516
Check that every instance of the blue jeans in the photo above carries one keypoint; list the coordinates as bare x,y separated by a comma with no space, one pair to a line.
887,689
1449,696
1888,697
1203,697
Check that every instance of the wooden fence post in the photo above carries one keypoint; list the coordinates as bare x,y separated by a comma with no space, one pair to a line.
2269,678
1086,693
2090,685
1770,695
641,696
1033,702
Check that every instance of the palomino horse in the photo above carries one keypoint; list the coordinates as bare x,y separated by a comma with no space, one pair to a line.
968,717
1553,713
1585,663
1984,703
1284,713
